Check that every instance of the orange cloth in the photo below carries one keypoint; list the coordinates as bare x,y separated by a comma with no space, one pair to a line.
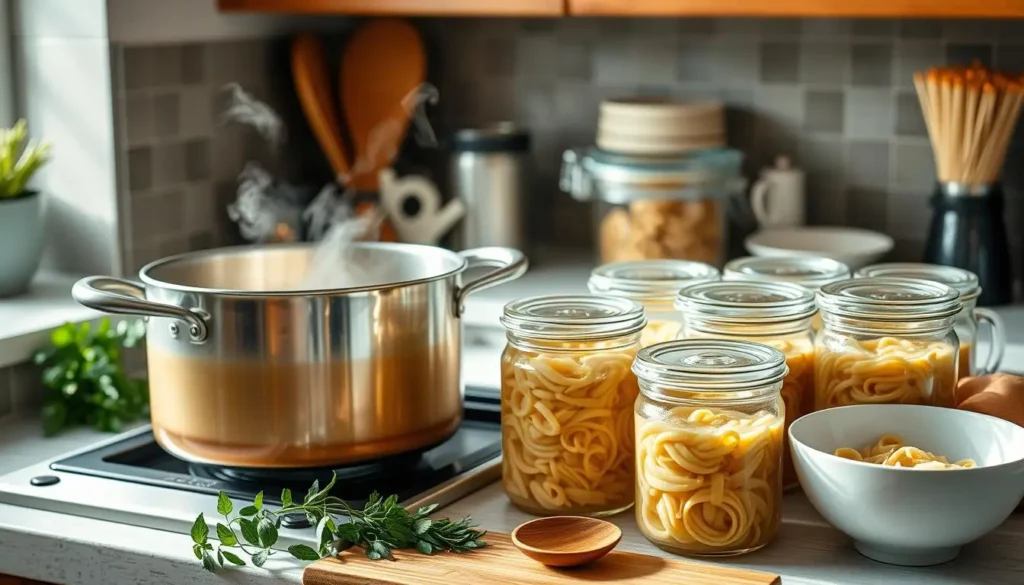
1000,395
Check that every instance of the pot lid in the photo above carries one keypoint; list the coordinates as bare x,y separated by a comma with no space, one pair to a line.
714,365
964,281
574,317
808,271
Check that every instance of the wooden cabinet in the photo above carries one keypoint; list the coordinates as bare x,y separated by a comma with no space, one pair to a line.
800,8
9,580
401,7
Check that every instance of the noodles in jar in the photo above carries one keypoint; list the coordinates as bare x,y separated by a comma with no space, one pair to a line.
566,404
709,476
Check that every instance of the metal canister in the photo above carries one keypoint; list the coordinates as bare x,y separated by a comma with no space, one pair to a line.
489,174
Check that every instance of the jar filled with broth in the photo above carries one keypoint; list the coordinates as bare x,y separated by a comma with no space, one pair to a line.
810,272
886,341
652,208
777,314
653,284
969,319
567,394
709,432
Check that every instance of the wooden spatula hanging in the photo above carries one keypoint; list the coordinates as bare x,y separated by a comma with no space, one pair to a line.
384,62
313,85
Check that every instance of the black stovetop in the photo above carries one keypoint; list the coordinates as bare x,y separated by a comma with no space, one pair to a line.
138,459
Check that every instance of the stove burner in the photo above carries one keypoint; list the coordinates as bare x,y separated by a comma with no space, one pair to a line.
380,468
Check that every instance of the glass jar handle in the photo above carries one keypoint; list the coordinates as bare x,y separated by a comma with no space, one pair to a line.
998,344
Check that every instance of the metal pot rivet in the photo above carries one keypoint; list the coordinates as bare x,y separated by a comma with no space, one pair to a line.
174,330
193,330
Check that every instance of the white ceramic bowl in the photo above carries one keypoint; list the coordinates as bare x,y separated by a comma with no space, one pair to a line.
854,247
912,517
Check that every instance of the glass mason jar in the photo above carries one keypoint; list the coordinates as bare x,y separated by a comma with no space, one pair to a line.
709,445
652,208
810,272
567,393
773,313
886,341
653,284
967,321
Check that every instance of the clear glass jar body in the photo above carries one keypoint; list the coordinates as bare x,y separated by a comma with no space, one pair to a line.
663,323
650,229
862,363
709,471
966,328
796,341
567,424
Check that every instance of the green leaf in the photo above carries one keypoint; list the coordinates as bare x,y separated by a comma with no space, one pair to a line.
233,558
303,552
248,511
258,502
209,563
348,531
200,531
378,550
422,525
63,335
197,549
55,416
267,533
220,557
226,536
424,547
426,510
249,532
260,558
224,505
286,497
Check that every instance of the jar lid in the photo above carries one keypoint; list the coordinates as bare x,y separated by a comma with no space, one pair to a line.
717,365
620,178
808,271
964,281
570,317
889,299
649,280
727,302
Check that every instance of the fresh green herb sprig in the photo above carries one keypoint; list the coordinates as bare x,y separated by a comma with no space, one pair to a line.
85,379
381,527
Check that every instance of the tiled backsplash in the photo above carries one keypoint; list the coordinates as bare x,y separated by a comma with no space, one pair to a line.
836,95
21,390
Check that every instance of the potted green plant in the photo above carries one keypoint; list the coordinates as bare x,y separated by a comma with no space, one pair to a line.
21,220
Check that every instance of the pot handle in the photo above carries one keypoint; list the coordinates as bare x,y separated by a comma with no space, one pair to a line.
124,297
510,264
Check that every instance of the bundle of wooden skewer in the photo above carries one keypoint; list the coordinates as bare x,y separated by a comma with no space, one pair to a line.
971,113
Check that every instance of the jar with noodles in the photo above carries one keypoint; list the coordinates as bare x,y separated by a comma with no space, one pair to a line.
773,313
709,445
886,341
810,272
567,396
653,284
967,321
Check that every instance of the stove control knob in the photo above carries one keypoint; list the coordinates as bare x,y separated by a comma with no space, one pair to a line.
44,480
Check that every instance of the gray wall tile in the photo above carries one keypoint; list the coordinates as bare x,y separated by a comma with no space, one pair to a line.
780,62
737,62
909,118
696,61
138,67
867,164
823,111
908,214
197,159
869,113
979,29
824,63
196,112
828,28
138,122
193,64
876,28
920,29
157,216
170,164
573,60
871,64
1010,56
964,54
914,167
915,57
140,168
866,208
167,66
166,115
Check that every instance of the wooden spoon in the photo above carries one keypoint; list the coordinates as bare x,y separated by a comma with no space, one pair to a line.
312,83
566,541
383,63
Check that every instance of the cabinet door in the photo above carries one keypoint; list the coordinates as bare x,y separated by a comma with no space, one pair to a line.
817,8
401,7
9,580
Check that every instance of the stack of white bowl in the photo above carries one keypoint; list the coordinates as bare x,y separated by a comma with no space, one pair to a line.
651,127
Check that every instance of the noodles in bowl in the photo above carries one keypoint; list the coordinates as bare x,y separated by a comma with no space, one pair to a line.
915,516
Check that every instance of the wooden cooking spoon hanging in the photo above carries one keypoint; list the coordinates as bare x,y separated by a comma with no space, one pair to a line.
384,62
313,85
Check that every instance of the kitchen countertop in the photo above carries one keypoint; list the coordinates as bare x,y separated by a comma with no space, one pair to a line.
58,548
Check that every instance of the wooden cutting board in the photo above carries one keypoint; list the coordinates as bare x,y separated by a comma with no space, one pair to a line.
500,562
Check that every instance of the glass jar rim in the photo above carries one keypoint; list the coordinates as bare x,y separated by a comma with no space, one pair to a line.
964,281
573,317
761,302
707,365
886,299
649,280
808,271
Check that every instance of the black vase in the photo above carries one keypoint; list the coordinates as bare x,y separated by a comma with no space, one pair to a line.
968,231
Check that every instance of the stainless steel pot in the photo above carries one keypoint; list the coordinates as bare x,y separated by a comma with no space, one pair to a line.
246,369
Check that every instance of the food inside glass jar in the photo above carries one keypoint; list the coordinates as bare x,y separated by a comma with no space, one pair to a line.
655,229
